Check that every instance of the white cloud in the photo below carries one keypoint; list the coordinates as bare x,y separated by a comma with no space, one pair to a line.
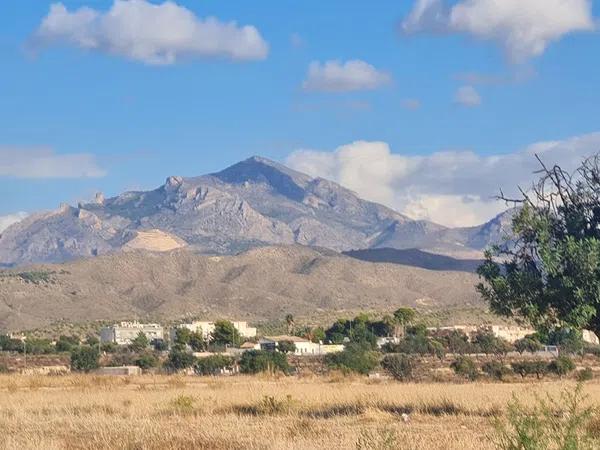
45,163
467,96
411,103
523,28
150,33
454,188
8,220
336,76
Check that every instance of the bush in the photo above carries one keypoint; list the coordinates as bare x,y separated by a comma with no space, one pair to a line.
465,367
256,361
586,374
528,344
159,345
84,359
355,358
490,344
553,423
286,346
139,343
399,366
66,343
535,367
146,361
561,366
212,365
179,359
495,369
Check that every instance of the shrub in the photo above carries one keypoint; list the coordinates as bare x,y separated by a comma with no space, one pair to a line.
212,365
66,343
495,369
255,361
490,344
84,358
528,344
286,346
355,358
179,359
399,366
465,367
139,343
160,345
562,423
535,367
561,366
146,361
586,374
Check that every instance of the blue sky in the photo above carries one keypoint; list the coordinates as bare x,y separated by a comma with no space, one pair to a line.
433,92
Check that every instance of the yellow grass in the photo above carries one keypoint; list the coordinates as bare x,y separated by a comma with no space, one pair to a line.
159,412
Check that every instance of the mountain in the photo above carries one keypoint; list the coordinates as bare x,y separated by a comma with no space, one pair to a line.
260,284
416,258
253,203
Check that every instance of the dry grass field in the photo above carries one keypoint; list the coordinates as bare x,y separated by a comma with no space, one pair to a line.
160,412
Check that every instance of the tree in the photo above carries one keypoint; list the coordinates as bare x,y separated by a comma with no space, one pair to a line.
535,367
490,344
225,333
212,365
289,320
465,367
399,366
561,366
549,272
354,358
182,336
160,345
197,342
146,361
179,359
286,347
139,343
403,317
528,344
256,361
495,369
85,358
66,343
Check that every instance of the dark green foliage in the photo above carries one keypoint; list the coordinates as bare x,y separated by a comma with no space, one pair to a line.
159,345
528,344
256,361
569,340
586,374
561,366
84,358
535,367
66,343
109,347
197,342
490,344
458,342
182,336
179,358
286,346
465,367
213,364
399,366
225,334
39,346
139,343
146,361
36,277
92,341
358,330
551,273
495,369
355,358
8,344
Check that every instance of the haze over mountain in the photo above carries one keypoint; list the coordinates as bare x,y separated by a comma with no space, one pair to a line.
255,202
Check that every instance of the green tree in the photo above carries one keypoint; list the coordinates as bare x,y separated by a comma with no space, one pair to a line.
66,343
549,273
403,317
355,357
490,344
561,366
139,343
179,359
528,344
146,361
289,320
535,367
399,366
465,367
256,361
225,334
182,336
495,369
85,358
286,347
213,364
197,342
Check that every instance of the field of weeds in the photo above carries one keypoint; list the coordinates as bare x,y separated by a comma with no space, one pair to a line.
160,412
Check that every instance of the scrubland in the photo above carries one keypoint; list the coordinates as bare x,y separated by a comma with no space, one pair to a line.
335,412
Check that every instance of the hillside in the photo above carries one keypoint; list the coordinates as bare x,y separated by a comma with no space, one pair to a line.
259,284
253,203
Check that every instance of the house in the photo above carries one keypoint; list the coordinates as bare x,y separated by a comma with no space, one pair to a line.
125,332
206,328
304,347
250,346
119,371
381,341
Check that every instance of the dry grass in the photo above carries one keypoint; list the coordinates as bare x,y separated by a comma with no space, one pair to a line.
91,412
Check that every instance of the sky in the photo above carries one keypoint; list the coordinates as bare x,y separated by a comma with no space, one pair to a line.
428,106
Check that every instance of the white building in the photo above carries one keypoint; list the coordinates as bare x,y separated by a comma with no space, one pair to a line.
125,332
206,329
304,347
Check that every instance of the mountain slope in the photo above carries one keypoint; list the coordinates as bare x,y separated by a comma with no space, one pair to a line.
253,203
260,284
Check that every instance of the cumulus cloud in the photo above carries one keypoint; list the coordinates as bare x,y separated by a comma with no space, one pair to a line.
8,220
45,163
337,76
523,28
467,96
454,188
150,33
